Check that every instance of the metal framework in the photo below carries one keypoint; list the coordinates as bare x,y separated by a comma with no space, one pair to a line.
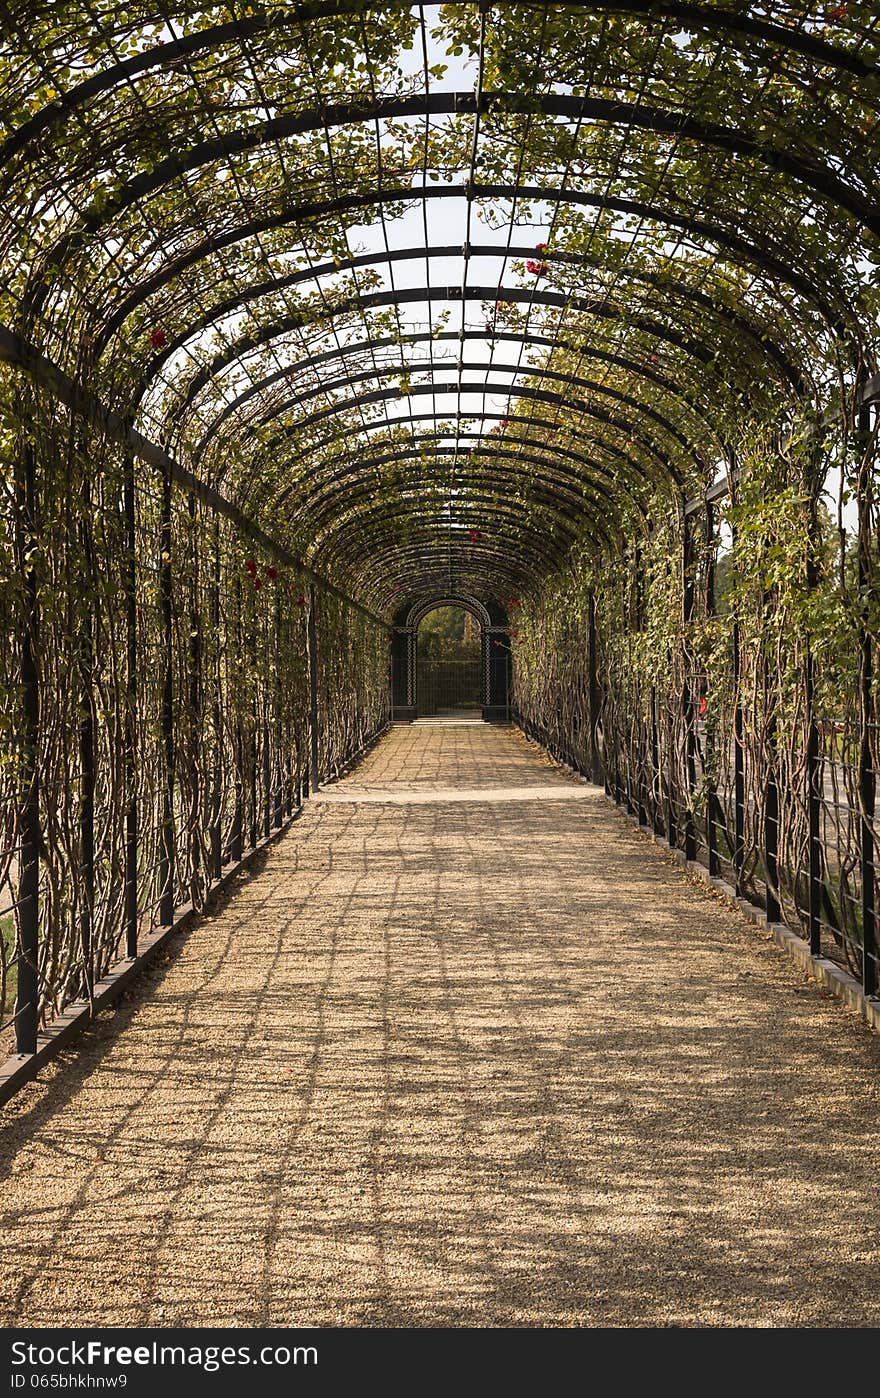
319,312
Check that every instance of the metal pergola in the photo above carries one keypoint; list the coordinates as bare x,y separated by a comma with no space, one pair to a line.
404,301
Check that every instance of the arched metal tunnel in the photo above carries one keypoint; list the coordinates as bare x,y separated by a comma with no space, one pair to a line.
316,317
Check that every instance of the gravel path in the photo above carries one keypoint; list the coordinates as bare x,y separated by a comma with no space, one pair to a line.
466,1050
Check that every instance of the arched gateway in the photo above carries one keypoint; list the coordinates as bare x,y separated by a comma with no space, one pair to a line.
495,657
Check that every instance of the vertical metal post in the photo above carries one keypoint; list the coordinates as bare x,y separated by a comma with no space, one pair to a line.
267,780
711,793
131,697
593,664
656,817
814,765
216,834
281,767
236,839
739,772
27,995
314,774
867,780
195,710
87,749
739,767
671,816
687,698
771,804
252,800
166,722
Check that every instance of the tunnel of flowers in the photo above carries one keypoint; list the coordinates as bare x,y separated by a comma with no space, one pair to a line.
313,316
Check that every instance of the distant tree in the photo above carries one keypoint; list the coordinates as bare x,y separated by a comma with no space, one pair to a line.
449,633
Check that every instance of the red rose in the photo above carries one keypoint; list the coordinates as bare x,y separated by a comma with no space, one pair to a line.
474,534
158,339
272,574
251,566
257,584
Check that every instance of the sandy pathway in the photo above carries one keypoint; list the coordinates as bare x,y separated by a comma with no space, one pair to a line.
467,1050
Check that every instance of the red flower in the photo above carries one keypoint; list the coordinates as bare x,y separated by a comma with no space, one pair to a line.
158,339
474,534
250,566
257,584
503,422
272,574
538,269
514,602
839,12
541,247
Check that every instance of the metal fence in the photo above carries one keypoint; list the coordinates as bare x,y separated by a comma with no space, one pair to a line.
747,737
169,690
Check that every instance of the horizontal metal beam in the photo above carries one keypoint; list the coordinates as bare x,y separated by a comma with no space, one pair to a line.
81,401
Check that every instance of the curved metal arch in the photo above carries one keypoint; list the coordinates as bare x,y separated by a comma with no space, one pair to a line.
477,499
817,178
331,556
625,480
714,233
496,453
433,366
536,394
479,494
556,501
384,562
603,445
428,567
668,287
706,17
389,341
563,478
420,610
601,309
